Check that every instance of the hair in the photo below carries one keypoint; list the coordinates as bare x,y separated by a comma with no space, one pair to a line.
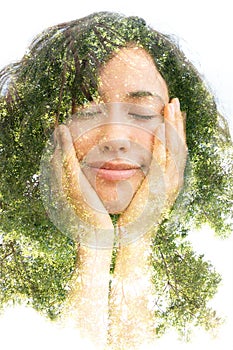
60,70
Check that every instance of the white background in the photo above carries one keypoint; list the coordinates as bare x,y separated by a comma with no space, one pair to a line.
204,31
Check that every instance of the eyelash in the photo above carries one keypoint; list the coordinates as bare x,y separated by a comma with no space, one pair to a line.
135,116
143,117
87,115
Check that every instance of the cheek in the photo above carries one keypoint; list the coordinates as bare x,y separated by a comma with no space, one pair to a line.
144,142
85,136
83,144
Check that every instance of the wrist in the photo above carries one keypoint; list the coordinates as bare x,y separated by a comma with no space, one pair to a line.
134,259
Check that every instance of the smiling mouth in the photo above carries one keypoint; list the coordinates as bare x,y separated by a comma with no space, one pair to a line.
114,170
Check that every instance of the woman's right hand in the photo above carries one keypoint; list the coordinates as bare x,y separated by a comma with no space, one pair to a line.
83,210
79,207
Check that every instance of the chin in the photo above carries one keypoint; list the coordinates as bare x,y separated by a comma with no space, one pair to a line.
117,197
116,208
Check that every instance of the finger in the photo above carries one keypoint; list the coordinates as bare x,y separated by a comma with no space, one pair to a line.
171,180
176,148
175,134
181,134
71,172
67,147
180,119
170,129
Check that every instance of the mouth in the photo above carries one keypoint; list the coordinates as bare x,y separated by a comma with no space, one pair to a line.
113,170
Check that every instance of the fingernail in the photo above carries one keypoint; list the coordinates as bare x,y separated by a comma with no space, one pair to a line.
172,110
177,102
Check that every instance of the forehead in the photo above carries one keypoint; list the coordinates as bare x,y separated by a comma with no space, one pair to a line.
131,70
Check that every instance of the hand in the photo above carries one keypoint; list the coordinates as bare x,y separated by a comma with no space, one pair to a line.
79,209
161,186
170,153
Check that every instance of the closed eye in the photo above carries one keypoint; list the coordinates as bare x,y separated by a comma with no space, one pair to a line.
140,116
144,112
90,113
146,116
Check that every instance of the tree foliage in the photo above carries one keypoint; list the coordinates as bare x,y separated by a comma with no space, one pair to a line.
60,70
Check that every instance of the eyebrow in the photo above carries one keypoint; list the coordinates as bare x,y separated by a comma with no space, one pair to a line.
142,93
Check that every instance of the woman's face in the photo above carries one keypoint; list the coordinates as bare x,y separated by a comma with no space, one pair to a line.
114,137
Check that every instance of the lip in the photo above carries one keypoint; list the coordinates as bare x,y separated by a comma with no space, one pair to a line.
114,171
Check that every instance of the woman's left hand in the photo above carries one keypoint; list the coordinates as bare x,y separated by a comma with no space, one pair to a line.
162,184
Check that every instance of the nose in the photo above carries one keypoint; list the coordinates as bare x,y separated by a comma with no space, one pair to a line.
115,146
116,135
